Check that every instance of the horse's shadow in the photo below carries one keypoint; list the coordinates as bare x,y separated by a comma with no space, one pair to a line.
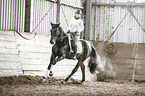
54,81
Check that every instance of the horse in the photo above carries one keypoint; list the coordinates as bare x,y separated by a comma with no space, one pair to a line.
61,50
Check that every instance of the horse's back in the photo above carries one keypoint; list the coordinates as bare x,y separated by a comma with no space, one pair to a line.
86,48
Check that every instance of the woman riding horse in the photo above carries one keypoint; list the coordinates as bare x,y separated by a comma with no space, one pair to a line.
61,48
75,27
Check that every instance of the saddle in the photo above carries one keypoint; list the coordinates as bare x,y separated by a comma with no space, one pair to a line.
76,47
79,47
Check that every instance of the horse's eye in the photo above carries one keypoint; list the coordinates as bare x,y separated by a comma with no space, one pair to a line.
52,30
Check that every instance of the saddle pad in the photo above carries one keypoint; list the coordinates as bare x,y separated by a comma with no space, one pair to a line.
79,47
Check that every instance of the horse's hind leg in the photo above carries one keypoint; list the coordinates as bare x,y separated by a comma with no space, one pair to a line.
83,72
73,71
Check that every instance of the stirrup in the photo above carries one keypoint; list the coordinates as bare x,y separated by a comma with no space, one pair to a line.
75,57
72,51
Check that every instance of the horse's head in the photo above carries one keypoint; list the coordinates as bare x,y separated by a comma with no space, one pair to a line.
54,32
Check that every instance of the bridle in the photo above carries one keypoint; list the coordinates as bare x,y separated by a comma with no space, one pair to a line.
58,35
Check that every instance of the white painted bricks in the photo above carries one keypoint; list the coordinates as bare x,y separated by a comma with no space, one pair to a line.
31,57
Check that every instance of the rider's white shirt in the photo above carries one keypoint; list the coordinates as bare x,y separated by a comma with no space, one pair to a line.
76,25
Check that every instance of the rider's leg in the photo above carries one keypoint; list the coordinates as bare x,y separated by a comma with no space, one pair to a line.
70,45
76,38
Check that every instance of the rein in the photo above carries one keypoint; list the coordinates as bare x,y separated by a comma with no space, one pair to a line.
60,37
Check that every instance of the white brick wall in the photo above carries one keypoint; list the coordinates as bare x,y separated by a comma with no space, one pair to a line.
31,57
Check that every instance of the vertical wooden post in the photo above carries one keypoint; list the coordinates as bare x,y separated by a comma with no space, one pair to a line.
88,19
27,16
58,12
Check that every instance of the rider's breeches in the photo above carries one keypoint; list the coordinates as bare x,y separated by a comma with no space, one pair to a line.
76,38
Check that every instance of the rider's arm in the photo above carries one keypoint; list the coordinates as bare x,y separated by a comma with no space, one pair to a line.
81,26
70,24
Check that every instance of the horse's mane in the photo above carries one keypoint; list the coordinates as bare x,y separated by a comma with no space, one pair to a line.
60,28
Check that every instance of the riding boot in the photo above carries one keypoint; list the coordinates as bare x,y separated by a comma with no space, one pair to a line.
70,44
75,52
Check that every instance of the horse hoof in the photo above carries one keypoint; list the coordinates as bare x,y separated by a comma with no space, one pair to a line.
63,82
82,82
50,74
78,82
42,80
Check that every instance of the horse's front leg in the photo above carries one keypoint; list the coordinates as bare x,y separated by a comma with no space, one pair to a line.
53,61
61,55
49,69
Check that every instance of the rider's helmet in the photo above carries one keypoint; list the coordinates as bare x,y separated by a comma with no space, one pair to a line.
78,12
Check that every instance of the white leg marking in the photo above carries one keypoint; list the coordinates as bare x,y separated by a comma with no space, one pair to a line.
97,72
46,73
51,67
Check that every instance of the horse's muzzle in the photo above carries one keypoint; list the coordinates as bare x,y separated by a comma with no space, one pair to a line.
52,40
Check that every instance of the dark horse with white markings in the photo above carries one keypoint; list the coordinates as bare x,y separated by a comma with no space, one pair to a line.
61,50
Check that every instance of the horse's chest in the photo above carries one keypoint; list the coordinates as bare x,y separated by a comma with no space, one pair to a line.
57,51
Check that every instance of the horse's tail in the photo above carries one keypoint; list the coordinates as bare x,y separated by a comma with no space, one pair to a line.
93,60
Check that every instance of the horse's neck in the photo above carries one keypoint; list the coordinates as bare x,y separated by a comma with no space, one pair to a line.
63,33
61,30
63,38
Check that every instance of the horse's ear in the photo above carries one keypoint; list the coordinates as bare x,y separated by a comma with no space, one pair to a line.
51,24
58,24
